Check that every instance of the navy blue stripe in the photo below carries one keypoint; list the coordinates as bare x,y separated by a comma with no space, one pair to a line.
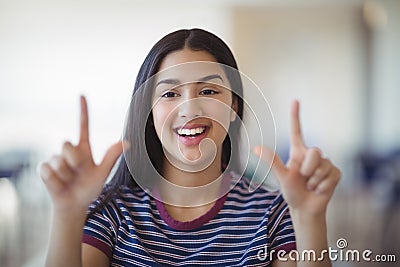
136,233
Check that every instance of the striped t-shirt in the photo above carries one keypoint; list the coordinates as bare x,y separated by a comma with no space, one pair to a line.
134,229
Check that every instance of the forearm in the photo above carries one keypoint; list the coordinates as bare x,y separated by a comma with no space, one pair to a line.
311,237
66,239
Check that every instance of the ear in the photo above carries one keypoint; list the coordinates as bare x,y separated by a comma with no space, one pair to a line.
234,108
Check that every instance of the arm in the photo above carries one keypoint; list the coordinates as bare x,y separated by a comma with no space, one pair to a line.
310,234
94,257
66,243
307,184
73,181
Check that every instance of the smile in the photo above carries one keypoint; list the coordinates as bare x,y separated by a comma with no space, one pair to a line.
191,132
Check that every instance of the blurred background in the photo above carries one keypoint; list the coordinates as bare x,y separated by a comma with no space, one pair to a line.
341,59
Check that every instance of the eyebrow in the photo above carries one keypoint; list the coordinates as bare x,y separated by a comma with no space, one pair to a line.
204,79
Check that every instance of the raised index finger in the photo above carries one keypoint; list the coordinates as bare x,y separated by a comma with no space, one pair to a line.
296,137
84,122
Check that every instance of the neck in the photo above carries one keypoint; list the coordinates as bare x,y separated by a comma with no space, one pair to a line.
192,179
191,188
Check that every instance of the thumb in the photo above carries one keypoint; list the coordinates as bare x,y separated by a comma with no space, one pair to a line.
110,158
269,156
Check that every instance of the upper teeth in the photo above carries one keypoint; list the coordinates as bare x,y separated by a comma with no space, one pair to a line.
191,131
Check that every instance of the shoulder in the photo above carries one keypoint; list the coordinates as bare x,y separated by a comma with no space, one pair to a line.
121,203
243,195
243,189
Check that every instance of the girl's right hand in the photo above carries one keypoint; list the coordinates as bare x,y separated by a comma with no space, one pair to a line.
72,178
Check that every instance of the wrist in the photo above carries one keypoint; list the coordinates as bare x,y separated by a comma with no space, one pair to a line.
307,218
311,233
77,214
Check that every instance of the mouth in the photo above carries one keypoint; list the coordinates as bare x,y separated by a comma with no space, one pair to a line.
191,132
192,135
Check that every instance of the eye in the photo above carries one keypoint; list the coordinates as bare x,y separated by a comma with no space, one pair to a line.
169,94
208,91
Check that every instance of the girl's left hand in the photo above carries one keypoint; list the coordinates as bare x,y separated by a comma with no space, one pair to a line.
308,180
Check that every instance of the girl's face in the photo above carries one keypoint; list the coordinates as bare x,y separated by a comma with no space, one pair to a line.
192,107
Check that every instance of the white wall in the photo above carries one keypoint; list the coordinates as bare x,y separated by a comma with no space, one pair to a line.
312,54
52,51
385,75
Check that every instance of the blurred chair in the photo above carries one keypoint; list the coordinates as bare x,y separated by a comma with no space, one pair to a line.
382,174
8,221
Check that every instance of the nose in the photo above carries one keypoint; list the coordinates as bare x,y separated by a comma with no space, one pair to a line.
190,107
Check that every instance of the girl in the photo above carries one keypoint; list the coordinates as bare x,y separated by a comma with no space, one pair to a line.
129,225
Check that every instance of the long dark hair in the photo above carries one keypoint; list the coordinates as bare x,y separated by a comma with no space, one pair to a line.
138,119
